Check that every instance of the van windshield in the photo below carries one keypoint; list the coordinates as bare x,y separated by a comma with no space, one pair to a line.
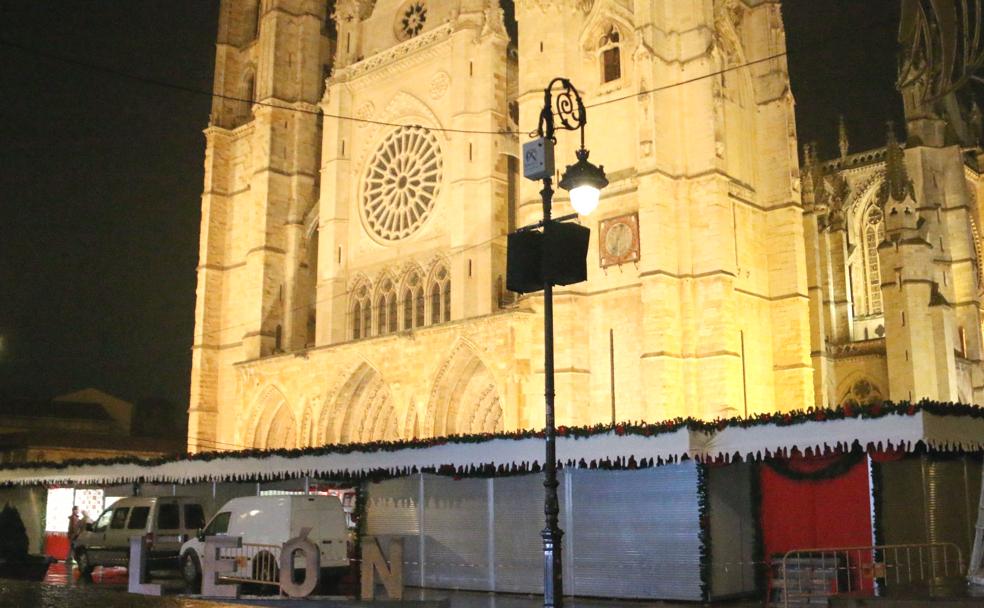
219,524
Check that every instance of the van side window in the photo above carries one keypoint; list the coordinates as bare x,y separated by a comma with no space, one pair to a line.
103,522
138,518
194,517
167,516
119,518
219,524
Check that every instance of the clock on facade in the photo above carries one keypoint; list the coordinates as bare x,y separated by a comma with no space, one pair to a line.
619,241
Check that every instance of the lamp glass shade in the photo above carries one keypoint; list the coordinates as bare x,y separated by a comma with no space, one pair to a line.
584,199
584,181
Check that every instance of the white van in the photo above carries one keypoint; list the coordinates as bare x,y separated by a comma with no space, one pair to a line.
265,523
168,521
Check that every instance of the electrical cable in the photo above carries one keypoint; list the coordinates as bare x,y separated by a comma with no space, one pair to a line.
192,90
212,94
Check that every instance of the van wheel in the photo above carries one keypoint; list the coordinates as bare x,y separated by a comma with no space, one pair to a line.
191,572
82,560
265,567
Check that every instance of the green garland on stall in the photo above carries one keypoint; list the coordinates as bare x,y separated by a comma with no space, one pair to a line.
877,532
361,508
869,411
704,535
841,465
759,563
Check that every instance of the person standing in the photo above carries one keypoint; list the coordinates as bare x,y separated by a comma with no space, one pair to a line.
75,527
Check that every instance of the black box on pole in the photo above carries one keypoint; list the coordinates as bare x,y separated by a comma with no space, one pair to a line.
565,253
559,254
524,259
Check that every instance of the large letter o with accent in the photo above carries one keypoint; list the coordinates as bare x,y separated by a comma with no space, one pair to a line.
312,566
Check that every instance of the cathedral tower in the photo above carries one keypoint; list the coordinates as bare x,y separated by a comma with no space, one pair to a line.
353,239
257,258
697,268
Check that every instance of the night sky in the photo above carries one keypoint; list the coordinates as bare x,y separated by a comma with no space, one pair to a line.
101,175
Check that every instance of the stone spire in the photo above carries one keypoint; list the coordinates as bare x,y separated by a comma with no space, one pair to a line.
897,183
897,197
842,140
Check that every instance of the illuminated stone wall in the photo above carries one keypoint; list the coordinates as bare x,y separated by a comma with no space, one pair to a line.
697,297
896,309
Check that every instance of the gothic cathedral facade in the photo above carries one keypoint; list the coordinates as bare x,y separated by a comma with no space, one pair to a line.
363,171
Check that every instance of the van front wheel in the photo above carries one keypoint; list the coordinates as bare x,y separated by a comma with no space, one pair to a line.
191,571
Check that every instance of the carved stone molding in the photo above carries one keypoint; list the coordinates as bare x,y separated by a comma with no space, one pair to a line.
390,56
857,349
439,85
583,6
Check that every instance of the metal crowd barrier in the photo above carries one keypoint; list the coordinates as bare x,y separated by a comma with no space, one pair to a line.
255,563
805,576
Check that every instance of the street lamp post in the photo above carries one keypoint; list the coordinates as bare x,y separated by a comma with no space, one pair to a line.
554,247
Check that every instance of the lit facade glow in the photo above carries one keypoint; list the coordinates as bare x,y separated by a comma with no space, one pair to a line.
351,280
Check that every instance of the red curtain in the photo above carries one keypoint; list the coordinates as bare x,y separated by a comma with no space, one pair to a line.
815,513
56,544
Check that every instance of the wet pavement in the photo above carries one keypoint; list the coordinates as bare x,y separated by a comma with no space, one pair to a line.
108,589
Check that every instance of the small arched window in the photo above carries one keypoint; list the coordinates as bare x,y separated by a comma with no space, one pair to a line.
419,308
873,233
392,314
361,313
407,309
435,304
440,296
386,309
357,320
413,302
247,96
609,48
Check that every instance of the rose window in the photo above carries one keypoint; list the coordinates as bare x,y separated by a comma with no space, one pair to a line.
413,19
401,183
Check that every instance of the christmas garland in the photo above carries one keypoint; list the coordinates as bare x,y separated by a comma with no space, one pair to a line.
704,535
869,411
840,466
877,502
759,563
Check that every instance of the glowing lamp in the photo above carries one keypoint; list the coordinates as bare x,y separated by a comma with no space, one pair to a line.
584,181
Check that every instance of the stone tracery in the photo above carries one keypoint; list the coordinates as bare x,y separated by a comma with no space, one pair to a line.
271,423
464,399
361,411
401,183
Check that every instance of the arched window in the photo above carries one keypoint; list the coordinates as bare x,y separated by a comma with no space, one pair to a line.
357,320
419,308
440,296
872,233
413,302
975,258
435,304
386,309
407,309
610,54
446,292
361,311
247,96
366,318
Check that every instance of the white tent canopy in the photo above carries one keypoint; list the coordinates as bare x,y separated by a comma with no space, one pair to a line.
899,431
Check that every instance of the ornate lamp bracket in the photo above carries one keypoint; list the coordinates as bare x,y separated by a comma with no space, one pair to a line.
566,106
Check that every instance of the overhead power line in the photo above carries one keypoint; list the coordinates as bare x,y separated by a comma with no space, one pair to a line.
827,41
196,91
